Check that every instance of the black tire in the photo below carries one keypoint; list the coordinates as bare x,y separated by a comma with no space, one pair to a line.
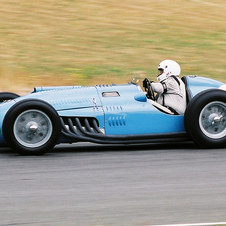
4,96
205,119
31,127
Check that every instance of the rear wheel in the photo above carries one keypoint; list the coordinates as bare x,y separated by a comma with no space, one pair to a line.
205,119
31,127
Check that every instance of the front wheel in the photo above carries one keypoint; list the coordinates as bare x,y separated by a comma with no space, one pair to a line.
31,127
205,119
5,96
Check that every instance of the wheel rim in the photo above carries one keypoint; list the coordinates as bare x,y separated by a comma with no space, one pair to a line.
212,120
32,128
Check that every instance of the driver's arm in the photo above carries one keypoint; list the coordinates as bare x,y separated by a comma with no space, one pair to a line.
157,87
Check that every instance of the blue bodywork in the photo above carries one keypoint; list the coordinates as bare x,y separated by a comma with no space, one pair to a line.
121,111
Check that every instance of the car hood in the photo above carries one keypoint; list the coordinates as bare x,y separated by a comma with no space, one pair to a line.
65,98
77,97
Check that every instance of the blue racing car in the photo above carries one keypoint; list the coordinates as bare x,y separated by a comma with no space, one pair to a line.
111,114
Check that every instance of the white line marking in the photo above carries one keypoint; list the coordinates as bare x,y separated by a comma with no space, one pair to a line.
196,224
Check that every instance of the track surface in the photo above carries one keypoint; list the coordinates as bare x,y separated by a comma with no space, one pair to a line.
89,184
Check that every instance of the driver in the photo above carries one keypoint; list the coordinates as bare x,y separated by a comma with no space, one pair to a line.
170,89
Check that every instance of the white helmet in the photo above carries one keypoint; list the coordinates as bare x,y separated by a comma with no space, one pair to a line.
168,68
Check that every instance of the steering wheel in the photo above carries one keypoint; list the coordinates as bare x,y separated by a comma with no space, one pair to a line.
148,89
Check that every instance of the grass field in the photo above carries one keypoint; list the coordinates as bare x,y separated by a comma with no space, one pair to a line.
88,42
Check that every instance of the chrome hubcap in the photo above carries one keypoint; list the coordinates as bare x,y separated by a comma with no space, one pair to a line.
32,127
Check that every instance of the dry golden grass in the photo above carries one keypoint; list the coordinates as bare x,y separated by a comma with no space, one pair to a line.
68,42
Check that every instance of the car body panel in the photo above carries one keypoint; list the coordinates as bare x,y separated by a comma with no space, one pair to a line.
196,84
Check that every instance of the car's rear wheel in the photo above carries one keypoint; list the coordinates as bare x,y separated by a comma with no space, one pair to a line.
205,119
31,127
4,96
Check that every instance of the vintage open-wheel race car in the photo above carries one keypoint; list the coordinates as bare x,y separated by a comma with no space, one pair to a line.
111,114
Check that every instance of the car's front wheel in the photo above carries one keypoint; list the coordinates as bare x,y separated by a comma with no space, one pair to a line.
205,119
31,127
4,96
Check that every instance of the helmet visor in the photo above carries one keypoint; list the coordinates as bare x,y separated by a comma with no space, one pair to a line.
160,71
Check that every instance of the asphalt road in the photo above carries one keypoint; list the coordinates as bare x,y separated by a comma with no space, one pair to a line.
113,185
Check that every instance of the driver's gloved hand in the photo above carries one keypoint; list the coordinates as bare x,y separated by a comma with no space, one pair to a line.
145,83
